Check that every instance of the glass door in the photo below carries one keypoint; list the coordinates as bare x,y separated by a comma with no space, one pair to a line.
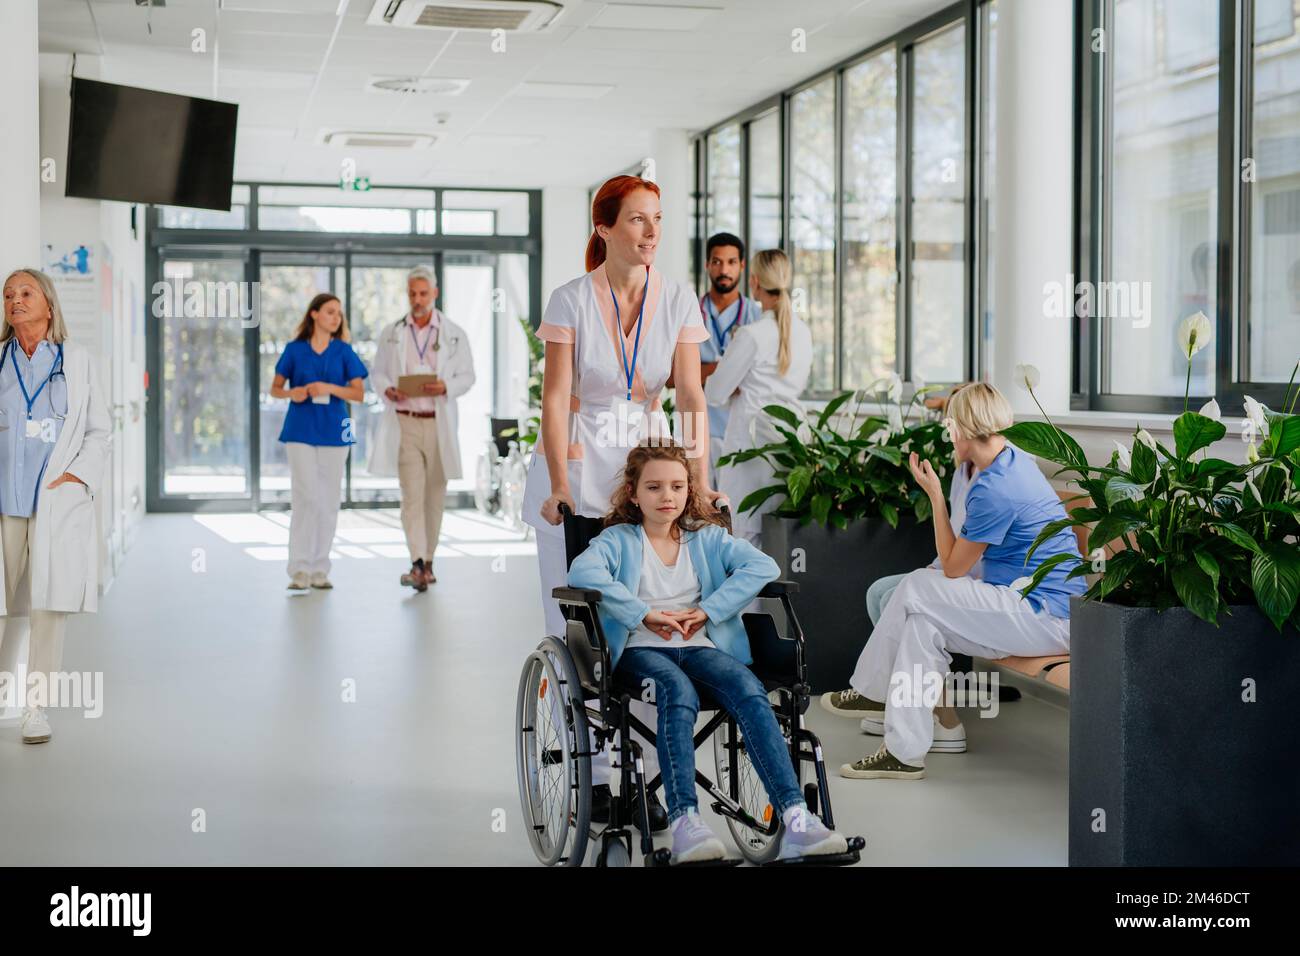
204,387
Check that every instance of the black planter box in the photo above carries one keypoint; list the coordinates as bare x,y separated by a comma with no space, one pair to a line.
837,568
1161,740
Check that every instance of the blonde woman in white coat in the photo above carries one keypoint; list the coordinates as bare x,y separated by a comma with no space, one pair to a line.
53,448
767,363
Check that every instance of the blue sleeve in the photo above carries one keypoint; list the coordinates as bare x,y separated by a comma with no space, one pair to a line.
595,569
748,570
285,364
353,367
988,519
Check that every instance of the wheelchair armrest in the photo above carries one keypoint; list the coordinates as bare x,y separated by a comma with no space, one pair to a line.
576,595
779,588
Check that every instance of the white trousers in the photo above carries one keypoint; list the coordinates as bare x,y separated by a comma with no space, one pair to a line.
45,644
928,618
315,475
554,570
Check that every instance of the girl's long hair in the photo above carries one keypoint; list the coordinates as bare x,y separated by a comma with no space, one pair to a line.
771,268
624,511
605,209
308,323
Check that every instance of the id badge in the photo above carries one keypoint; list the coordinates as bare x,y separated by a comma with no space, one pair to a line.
33,428
628,420
320,399
424,368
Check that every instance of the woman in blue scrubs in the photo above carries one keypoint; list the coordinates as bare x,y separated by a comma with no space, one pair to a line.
318,373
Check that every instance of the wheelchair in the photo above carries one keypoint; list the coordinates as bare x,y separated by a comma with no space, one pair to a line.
571,707
501,474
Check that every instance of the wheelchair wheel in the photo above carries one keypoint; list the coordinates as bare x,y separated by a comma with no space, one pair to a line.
747,790
553,765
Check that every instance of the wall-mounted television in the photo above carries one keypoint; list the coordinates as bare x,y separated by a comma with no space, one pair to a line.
136,145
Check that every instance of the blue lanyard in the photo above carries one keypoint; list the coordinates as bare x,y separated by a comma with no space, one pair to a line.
31,399
718,335
414,338
629,370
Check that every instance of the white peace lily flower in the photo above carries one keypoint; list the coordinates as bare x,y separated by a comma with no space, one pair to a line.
1125,461
1145,438
895,419
1194,334
1255,412
878,436
1252,456
1211,410
1028,377
894,387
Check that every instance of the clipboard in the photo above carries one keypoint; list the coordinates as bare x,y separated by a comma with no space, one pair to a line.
412,385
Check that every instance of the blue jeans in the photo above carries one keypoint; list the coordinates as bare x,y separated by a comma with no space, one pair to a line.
879,593
675,672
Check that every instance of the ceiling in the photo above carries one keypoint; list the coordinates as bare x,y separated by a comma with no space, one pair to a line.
299,69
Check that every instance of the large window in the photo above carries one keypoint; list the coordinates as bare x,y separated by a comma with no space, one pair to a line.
812,221
883,201
870,220
1190,145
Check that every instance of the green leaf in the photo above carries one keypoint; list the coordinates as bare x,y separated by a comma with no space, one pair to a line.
1143,465
832,407
821,507
890,513
1283,434
922,508
1208,565
782,413
1114,525
1050,530
1045,568
1194,431
798,481
1117,570
885,452
1275,578
1121,489
1045,441
1195,590
756,498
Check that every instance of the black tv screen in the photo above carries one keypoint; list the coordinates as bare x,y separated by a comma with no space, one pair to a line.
137,145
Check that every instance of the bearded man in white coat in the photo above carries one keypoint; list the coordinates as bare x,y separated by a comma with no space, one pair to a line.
417,436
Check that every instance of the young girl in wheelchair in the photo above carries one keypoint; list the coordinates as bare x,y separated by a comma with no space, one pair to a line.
673,583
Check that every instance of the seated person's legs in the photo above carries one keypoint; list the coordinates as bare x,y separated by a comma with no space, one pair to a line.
879,593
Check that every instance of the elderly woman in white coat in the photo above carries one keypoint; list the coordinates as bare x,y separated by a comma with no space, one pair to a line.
767,363
54,443
418,437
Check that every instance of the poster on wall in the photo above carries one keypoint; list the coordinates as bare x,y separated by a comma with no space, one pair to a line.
71,267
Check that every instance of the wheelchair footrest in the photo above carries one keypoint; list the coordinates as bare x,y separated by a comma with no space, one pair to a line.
664,857
853,856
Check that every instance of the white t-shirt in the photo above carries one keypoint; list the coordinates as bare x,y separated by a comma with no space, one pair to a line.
667,588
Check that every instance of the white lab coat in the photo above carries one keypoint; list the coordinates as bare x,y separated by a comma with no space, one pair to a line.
63,567
750,365
454,363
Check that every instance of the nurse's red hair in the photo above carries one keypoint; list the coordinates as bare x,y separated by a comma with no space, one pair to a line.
605,209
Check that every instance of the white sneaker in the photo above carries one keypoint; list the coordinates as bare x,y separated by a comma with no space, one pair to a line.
300,581
804,834
693,841
321,580
946,740
36,729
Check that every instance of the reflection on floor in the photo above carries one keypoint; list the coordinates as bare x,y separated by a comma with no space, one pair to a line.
244,724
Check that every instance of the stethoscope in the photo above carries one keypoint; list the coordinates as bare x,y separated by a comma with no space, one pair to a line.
721,337
55,369
437,339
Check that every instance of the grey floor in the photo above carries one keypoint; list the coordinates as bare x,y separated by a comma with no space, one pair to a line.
224,703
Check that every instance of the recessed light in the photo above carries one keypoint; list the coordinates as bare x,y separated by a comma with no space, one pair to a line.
651,16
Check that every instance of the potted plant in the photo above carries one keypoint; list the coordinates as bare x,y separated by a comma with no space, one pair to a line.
849,511
1185,648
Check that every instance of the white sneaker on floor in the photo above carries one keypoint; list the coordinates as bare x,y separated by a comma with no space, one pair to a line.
946,740
693,841
36,729
321,580
299,582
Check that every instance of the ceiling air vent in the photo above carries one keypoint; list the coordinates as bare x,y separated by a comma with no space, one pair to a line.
514,16
416,84
357,139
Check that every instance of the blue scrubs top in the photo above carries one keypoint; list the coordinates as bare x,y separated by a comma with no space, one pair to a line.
308,422
22,457
1006,508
